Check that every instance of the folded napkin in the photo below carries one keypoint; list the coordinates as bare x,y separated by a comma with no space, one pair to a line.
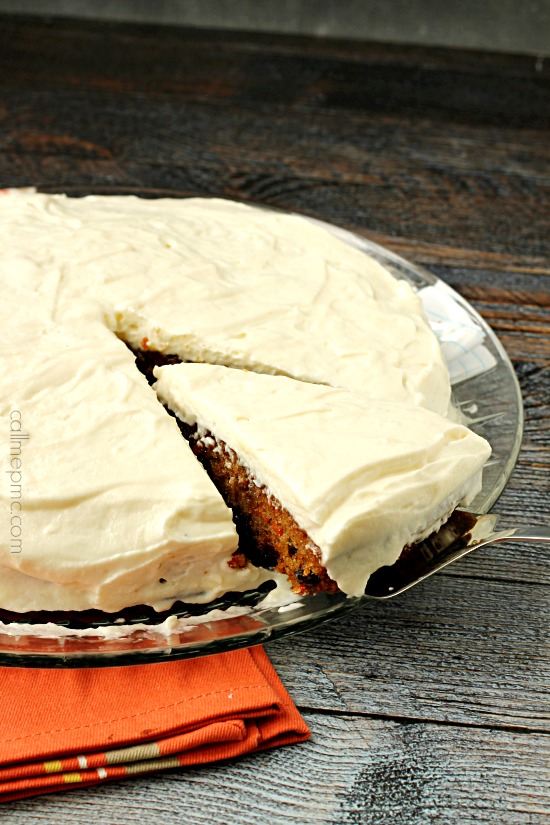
71,728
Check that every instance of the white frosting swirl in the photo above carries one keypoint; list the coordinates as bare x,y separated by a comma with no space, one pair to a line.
115,509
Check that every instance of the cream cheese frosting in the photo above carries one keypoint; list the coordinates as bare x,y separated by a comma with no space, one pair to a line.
115,510
222,282
111,505
362,478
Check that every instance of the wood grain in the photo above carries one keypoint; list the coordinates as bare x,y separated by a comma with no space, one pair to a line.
435,707
353,771
457,649
423,146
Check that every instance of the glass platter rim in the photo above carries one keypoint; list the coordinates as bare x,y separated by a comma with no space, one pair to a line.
246,630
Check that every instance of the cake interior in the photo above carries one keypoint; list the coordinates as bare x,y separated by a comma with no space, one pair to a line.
268,535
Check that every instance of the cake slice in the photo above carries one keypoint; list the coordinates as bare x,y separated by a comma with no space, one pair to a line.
325,486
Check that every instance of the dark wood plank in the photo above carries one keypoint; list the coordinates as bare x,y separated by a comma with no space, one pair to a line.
352,771
460,84
434,254
423,147
451,649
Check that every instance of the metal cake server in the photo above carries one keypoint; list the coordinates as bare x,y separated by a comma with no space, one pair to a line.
463,533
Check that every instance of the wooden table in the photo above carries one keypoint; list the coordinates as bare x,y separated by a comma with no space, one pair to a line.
434,708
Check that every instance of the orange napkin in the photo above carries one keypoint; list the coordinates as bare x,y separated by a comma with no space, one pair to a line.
71,728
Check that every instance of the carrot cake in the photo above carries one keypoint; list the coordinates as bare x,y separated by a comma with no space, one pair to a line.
104,504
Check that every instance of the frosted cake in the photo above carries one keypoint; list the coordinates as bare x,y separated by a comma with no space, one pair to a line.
105,504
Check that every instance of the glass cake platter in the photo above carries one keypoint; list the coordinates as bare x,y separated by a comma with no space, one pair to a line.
485,390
